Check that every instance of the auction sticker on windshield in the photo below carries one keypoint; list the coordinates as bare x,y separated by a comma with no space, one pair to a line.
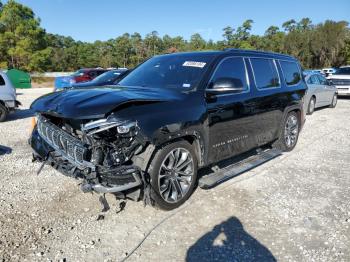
194,64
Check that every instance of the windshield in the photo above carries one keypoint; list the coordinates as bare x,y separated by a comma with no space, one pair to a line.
169,71
109,76
343,71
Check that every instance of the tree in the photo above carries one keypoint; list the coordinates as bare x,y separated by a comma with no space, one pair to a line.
228,34
289,25
271,31
304,24
21,37
197,42
25,45
243,31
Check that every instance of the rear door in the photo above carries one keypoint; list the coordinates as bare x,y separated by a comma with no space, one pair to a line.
269,98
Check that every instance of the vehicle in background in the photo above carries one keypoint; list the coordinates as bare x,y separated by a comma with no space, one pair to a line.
108,78
328,71
320,93
341,80
314,71
8,102
146,137
82,75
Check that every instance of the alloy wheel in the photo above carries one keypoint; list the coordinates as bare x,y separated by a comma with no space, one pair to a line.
176,175
291,131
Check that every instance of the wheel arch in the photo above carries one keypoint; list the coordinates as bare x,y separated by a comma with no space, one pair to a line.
144,159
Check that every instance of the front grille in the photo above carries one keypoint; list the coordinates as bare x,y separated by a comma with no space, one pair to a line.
70,147
341,82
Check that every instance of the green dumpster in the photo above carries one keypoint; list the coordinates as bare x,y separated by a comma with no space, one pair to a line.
19,79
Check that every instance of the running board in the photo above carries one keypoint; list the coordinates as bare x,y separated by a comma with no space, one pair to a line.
228,172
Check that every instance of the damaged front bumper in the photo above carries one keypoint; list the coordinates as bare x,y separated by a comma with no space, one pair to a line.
122,180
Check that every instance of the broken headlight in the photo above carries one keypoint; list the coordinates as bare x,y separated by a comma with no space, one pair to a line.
122,126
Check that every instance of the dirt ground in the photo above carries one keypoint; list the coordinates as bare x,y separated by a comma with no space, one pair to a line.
293,208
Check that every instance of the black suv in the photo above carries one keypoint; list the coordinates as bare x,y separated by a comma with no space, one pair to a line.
173,114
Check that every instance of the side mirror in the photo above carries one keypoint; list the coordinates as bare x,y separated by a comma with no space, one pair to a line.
329,82
226,85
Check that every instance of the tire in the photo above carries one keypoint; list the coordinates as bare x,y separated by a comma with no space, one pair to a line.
311,106
3,113
334,101
166,182
290,128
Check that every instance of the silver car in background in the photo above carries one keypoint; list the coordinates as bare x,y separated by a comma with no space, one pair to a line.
320,93
8,102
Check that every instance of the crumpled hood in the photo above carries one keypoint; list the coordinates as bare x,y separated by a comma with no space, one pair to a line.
96,102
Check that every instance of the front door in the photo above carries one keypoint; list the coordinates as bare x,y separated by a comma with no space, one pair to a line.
231,114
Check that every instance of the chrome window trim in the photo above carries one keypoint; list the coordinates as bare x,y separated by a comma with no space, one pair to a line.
278,74
300,73
246,76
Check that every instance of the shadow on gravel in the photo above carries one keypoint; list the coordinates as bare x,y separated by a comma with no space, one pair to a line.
228,241
5,150
20,114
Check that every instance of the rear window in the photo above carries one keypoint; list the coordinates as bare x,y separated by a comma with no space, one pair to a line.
265,73
291,72
2,81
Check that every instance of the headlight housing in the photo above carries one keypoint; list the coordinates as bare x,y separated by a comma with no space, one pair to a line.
123,126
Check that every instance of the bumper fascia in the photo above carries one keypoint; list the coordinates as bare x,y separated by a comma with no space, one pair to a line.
115,180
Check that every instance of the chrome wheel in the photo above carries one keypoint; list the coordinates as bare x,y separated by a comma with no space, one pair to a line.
291,131
175,175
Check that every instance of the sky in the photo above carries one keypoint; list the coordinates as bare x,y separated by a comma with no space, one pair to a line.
89,20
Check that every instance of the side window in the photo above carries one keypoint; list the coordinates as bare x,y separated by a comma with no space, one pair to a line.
232,68
291,72
100,72
313,80
322,80
2,81
265,73
92,74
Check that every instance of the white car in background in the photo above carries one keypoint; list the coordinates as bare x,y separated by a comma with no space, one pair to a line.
328,71
8,100
341,80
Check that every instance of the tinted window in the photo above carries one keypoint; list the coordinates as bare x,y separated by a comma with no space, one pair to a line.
313,80
92,73
265,73
2,81
291,72
233,68
322,79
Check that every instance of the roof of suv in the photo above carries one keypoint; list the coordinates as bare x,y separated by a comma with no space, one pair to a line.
241,52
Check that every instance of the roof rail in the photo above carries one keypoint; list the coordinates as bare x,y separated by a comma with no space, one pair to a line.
255,51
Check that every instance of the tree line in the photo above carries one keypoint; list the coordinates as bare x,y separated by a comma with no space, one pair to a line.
25,45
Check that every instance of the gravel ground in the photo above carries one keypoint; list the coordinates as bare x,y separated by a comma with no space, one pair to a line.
293,208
